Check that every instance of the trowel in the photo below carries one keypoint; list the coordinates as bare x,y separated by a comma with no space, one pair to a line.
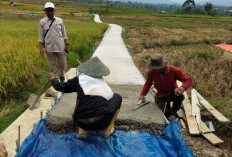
140,104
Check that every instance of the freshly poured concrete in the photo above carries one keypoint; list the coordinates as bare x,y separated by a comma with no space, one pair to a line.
60,120
124,79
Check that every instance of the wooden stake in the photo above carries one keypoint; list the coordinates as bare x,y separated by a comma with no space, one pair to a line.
41,115
34,128
78,61
182,123
18,146
19,134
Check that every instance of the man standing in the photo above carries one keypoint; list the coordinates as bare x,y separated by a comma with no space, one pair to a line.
53,37
164,77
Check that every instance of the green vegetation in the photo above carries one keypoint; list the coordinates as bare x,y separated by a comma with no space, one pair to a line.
187,42
23,70
20,59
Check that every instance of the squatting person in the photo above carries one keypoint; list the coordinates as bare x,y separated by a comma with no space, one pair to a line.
164,77
97,107
53,37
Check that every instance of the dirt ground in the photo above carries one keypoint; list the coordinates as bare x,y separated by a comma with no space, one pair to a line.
203,148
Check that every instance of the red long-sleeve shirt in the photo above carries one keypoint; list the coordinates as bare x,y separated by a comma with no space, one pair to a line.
167,83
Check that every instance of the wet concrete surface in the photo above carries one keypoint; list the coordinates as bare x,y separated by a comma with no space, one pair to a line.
147,118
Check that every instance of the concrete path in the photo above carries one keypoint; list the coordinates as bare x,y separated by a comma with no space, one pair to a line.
97,18
113,52
124,79
25,121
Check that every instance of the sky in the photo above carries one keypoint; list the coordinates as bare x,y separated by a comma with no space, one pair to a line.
200,2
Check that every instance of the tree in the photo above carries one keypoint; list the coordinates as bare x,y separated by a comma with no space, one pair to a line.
188,6
189,3
208,8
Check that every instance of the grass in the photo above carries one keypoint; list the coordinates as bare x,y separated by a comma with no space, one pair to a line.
187,42
10,111
20,58
23,70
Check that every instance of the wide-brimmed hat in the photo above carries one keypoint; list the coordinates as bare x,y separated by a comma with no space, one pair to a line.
157,62
94,67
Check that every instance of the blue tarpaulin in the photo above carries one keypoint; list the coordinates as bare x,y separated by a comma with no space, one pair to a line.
120,144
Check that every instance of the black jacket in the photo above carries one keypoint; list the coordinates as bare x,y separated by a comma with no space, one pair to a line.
89,106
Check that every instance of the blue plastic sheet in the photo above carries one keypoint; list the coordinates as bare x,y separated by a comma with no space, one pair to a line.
120,144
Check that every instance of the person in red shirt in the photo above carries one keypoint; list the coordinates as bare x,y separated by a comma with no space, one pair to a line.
164,78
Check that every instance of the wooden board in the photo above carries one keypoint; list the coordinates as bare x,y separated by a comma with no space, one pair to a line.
212,138
191,120
181,114
195,108
203,128
182,123
212,110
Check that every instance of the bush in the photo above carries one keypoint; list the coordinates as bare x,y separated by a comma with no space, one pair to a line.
176,63
203,54
206,41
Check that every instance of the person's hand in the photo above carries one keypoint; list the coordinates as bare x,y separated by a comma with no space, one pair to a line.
142,98
179,91
42,52
67,48
51,76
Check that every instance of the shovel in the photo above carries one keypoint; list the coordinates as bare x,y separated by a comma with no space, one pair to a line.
140,104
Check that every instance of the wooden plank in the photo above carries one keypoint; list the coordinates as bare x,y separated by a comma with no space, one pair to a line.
191,120
181,114
212,110
203,128
182,123
195,108
213,139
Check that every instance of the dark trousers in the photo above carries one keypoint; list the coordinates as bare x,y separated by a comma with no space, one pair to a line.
102,121
177,101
